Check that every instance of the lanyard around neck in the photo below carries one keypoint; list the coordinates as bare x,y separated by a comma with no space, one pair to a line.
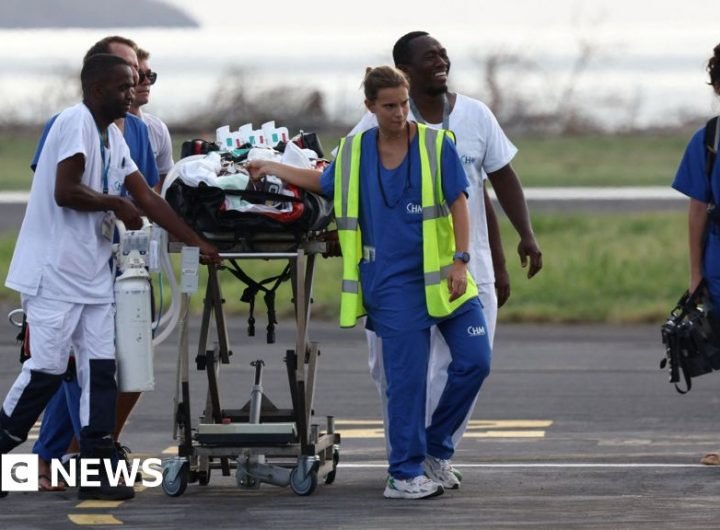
446,112
105,166
408,170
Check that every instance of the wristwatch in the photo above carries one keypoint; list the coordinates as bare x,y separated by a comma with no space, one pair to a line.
462,256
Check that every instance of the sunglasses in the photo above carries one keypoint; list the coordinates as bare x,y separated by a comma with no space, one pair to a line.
149,74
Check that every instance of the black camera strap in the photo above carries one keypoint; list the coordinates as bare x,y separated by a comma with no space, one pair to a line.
712,139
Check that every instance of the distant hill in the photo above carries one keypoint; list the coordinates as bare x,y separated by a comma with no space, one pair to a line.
26,14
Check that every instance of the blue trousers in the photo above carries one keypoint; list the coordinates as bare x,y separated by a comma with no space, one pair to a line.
405,360
61,421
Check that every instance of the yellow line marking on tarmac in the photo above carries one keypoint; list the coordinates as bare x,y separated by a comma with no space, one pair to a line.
379,433
512,424
94,519
504,434
487,424
91,505
476,428
360,433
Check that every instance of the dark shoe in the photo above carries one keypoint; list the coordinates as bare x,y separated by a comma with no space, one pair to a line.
2,493
7,444
106,492
104,450
123,453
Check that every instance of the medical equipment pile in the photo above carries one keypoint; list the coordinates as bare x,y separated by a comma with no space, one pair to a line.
261,441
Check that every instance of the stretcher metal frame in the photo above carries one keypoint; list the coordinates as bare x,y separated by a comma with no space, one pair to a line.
261,442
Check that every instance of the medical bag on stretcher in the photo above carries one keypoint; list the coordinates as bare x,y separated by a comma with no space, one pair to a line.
216,198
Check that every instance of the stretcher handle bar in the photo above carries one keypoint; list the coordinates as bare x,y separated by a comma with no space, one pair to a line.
259,255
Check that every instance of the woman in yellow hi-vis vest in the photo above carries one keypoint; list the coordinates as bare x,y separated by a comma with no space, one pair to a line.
401,211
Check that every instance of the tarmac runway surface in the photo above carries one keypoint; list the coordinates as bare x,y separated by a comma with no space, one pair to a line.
576,427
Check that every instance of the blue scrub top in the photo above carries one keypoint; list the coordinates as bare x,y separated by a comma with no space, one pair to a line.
393,284
691,180
138,140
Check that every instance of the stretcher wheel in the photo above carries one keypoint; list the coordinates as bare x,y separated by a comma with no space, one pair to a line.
330,478
303,485
176,487
204,477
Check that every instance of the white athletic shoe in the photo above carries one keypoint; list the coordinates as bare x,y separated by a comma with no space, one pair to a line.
419,487
442,472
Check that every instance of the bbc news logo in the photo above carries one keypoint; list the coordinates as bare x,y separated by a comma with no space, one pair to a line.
19,472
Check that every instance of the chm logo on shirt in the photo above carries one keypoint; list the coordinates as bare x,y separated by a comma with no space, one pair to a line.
476,331
467,160
414,209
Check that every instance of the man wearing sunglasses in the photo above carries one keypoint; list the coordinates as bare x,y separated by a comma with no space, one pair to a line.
159,134
134,130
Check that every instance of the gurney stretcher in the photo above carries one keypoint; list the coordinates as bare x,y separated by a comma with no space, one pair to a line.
261,442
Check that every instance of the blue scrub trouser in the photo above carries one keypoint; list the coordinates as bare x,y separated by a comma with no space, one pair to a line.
405,359
61,420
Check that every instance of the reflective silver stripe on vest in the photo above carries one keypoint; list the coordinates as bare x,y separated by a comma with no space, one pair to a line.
430,138
350,286
346,223
434,278
346,155
435,212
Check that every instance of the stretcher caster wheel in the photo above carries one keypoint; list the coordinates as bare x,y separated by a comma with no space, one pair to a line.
174,486
330,478
303,484
204,477
245,479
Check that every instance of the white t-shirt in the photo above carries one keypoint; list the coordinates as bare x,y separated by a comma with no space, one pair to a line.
160,142
483,148
61,253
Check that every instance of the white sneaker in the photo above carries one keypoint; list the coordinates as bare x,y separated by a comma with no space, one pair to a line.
419,487
442,472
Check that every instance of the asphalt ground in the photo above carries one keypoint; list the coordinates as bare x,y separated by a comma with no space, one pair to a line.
576,427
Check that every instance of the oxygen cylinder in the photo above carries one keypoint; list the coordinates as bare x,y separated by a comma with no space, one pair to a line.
133,329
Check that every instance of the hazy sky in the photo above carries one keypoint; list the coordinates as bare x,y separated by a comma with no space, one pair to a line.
655,49
536,21
652,52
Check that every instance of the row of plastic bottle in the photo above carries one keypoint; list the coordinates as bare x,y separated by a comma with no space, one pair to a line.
267,136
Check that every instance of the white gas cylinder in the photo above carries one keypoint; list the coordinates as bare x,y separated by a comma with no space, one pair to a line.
133,331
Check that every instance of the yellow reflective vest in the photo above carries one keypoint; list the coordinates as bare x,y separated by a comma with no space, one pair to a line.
437,228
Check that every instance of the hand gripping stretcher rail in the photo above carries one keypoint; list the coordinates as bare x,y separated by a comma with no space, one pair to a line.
261,442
